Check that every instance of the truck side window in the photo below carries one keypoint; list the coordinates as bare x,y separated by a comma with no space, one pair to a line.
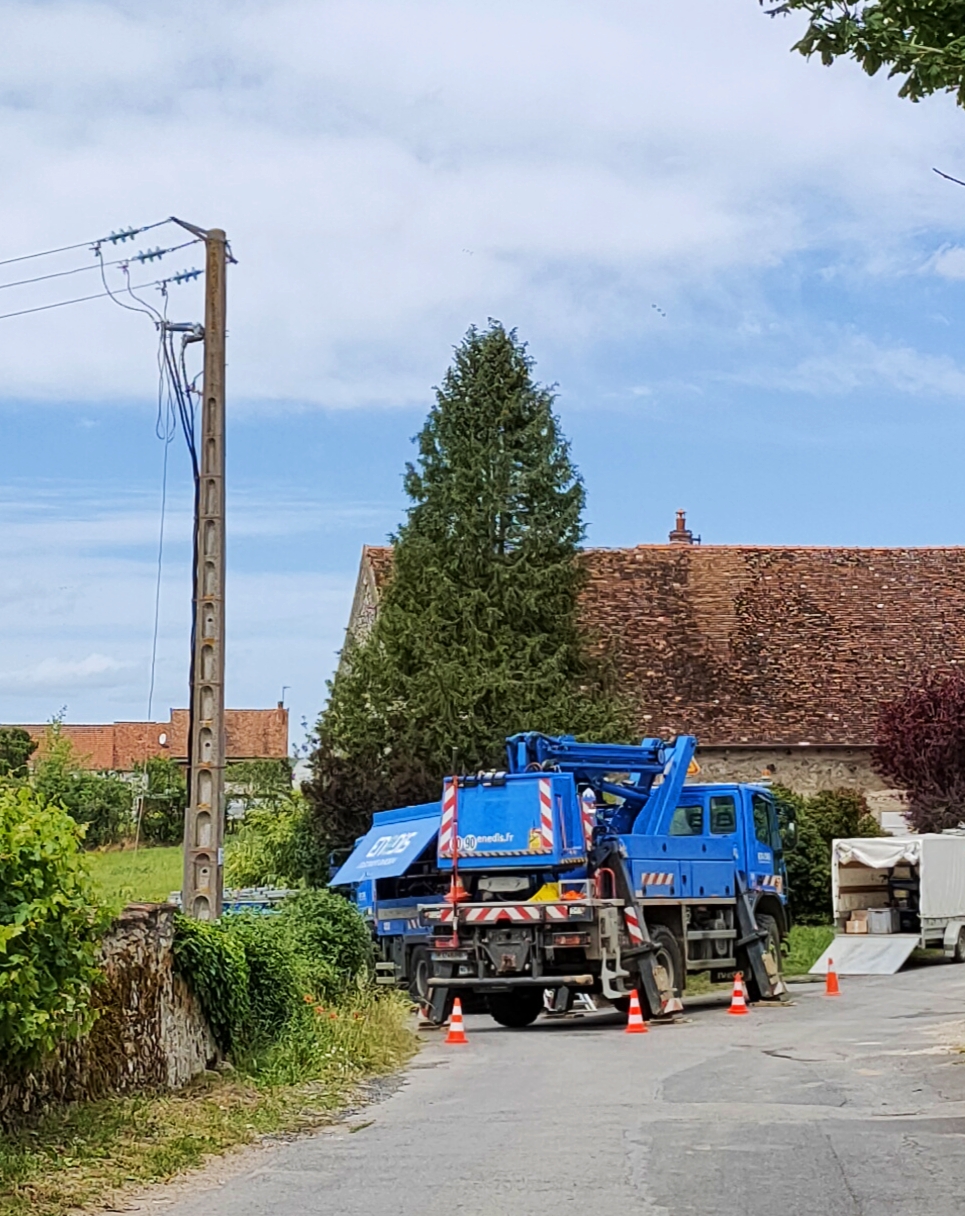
723,815
687,821
762,819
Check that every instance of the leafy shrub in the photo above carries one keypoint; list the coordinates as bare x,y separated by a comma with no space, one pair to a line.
16,748
103,802
213,961
820,819
330,939
264,784
163,801
253,974
48,929
274,989
273,847
920,747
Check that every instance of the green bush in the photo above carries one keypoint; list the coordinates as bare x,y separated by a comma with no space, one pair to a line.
254,975
820,819
103,802
48,928
331,940
213,962
273,847
163,801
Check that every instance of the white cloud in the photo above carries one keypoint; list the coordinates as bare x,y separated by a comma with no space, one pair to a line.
390,170
848,363
62,675
949,262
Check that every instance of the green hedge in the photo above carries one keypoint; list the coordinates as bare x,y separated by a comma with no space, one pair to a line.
255,974
49,931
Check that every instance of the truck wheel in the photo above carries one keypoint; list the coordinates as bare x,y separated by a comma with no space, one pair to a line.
959,955
772,946
516,1009
420,968
666,954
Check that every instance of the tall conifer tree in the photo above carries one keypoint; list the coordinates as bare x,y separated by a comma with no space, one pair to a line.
476,635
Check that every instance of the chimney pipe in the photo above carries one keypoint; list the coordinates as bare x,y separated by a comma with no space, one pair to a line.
681,535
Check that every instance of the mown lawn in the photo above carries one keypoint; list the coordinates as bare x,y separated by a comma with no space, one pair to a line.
147,875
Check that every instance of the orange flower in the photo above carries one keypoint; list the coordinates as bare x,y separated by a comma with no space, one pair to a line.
309,1000
333,1015
319,1009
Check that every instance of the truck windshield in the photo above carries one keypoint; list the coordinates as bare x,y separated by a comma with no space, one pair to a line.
687,821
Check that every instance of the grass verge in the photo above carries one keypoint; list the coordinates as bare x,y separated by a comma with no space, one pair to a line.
88,1155
146,875
805,945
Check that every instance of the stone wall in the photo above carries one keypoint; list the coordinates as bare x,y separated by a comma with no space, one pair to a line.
150,1032
806,770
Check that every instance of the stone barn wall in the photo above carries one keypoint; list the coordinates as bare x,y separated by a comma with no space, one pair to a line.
150,1032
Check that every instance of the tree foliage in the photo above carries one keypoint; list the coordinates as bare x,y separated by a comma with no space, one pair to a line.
275,847
48,930
920,747
163,799
476,635
920,41
16,748
102,802
821,818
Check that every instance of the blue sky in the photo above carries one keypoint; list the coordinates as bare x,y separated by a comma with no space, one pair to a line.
738,268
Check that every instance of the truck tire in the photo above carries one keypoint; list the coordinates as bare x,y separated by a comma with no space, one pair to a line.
959,955
516,1009
420,968
772,946
666,954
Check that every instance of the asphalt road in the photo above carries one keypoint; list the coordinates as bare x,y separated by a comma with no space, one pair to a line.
851,1106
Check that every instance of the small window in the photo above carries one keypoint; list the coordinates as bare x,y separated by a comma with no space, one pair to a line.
687,821
762,819
723,815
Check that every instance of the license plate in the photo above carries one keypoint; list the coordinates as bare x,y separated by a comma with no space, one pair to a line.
456,956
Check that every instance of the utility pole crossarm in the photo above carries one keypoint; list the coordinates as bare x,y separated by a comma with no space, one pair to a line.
203,886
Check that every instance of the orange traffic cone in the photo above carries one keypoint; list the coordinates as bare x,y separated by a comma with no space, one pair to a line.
635,1022
738,1005
457,1033
831,981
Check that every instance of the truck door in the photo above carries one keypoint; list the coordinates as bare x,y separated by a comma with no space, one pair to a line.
714,875
762,865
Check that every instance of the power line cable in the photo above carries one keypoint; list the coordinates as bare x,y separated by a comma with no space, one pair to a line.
101,295
115,238
148,256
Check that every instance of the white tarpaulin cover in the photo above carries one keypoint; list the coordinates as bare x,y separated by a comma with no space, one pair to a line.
879,852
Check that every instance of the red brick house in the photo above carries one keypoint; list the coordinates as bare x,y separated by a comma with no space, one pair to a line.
250,734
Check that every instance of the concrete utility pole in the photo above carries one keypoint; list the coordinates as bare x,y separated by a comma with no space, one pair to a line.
203,886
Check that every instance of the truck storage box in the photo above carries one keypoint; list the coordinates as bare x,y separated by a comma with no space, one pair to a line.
883,920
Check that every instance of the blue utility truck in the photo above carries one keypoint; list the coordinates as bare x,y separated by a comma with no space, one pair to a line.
580,868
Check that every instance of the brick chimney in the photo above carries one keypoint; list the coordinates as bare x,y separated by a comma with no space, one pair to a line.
681,535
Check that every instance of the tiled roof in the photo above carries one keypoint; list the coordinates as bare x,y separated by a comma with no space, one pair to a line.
768,645
250,734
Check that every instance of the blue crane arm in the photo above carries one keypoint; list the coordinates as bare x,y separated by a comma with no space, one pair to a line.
597,764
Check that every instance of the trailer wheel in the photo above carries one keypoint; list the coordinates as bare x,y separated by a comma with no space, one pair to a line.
420,968
959,955
772,946
516,1009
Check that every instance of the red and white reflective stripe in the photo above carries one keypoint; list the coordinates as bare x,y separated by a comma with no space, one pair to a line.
444,915
774,881
557,911
448,826
547,839
633,926
588,816
656,880
489,916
